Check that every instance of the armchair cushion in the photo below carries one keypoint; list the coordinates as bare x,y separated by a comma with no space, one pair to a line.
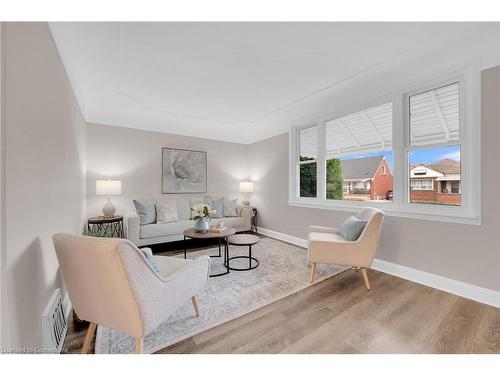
148,253
326,237
317,228
351,229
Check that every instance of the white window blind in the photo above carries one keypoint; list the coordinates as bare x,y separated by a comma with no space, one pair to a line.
363,131
308,142
435,116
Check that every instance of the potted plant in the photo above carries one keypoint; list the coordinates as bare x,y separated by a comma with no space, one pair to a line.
202,213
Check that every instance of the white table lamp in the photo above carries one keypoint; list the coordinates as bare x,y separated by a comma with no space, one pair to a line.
247,188
108,188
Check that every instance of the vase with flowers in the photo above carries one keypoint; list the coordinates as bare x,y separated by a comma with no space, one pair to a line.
201,216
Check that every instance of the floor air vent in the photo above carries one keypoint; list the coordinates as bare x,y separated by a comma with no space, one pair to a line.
54,324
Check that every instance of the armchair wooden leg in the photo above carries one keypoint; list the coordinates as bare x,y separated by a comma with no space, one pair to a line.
365,276
139,345
312,272
88,338
195,305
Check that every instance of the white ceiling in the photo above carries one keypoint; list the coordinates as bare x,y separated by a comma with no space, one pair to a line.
238,82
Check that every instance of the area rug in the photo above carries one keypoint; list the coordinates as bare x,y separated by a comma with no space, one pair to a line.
282,271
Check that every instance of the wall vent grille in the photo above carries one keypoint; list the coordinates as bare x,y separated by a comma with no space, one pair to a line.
54,324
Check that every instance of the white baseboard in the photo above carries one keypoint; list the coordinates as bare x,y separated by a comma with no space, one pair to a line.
283,237
476,293
470,291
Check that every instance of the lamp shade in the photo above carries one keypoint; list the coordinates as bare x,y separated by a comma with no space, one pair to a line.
246,187
108,187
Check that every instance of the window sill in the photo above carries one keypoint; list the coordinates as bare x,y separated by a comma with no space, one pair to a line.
390,210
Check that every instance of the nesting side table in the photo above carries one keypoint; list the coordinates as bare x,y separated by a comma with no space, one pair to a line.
223,240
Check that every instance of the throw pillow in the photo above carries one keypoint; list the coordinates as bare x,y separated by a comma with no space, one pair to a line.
146,209
351,229
148,254
192,203
167,212
230,207
218,205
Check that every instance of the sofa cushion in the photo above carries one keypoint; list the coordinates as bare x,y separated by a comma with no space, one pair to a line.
183,208
182,204
178,227
167,229
167,212
230,207
217,204
146,209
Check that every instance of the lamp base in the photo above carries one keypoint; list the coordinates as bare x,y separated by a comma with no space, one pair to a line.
246,200
109,209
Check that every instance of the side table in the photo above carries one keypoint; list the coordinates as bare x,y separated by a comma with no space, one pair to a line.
244,240
105,226
223,240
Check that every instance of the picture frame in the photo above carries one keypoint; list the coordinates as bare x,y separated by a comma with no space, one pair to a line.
183,171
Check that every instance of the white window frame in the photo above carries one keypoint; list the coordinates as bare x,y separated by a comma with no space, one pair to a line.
469,212
298,163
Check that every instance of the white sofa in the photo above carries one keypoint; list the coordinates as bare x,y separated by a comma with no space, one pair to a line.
150,234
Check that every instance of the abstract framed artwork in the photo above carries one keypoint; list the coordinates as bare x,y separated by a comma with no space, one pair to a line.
183,171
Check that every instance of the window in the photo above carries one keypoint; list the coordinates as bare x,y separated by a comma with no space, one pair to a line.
422,184
434,130
356,145
307,165
415,153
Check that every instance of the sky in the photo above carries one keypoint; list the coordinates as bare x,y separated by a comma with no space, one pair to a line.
423,156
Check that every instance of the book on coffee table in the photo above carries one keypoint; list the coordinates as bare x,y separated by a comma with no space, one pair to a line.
216,230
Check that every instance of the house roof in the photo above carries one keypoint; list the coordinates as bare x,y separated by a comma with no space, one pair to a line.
360,168
446,166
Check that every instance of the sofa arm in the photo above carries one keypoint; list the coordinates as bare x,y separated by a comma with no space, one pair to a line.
246,212
132,225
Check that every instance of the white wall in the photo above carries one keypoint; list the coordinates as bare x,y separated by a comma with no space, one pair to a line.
468,253
135,157
45,170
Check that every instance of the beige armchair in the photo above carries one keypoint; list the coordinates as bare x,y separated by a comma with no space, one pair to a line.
110,282
326,246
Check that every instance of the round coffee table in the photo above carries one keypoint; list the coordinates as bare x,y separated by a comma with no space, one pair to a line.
244,240
222,236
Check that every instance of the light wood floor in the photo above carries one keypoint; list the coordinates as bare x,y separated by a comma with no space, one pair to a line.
339,315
